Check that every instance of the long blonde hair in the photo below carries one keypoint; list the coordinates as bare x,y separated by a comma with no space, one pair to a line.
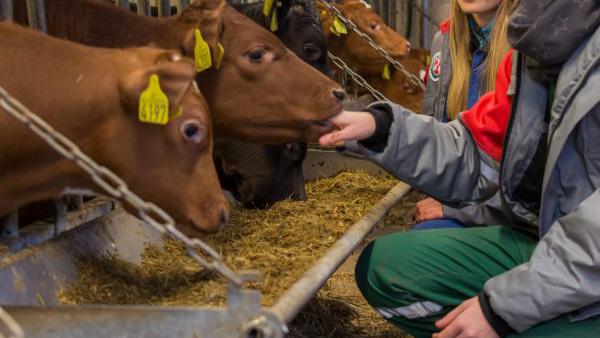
460,55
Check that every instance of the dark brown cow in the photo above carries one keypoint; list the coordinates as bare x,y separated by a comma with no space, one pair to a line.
92,95
261,93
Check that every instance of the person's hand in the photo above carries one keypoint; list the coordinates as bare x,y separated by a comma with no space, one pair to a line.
465,321
351,126
428,209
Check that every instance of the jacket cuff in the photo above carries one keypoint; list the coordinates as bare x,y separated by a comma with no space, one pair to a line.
383,121
496,322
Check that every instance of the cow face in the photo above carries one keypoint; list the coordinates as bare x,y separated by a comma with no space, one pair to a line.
300,31
263,92
170,165
352,48
259,176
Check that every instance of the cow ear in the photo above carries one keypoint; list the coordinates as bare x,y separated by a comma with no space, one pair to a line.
175,76
327,19
208,17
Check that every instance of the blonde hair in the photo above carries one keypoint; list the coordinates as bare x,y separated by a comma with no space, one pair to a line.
461,58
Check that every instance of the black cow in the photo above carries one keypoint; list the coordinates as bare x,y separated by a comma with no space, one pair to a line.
260,175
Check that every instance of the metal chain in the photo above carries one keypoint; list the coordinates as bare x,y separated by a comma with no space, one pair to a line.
412,78
116,188
355,77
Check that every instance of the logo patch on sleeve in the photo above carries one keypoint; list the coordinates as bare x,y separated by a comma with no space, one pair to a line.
435,68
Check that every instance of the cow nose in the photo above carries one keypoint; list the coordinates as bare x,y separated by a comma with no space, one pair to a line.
224,217
339,94
408,46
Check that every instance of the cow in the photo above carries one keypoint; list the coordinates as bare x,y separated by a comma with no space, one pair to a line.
93,97
260,93
260,175
365,60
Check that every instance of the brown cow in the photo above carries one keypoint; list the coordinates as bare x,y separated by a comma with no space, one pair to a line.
262,92
92,95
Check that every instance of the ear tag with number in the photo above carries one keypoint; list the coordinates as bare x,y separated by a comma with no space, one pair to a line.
220,56
274,21
267,7
386,74
154,103
339,26
333,30
202,53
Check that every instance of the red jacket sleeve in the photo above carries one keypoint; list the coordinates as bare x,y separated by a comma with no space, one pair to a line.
488,118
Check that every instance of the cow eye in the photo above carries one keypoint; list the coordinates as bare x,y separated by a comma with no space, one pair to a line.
295,150
193,131
312,52
256,55
375,26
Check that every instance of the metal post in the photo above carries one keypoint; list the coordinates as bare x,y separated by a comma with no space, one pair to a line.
60,218
36,14
9,225
183,4
143,7
123,4
425,25
292,301
6,10
164,7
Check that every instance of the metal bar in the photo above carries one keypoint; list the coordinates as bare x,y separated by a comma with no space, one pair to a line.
143,7
16,331
123,4
6,9
164,7
288,306
36,15
60,216
183,4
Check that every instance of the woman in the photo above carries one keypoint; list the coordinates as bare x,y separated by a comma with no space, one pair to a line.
469,46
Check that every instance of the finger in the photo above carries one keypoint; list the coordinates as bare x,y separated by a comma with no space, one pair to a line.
450,316
331,139
341,120
452,331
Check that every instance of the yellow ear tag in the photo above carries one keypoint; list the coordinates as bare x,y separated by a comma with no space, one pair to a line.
274,22
267,7
339,26
220,56
333,30
154,104
202,53
386,74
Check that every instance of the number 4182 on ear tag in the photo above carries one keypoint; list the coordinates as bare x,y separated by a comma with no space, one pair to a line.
154,104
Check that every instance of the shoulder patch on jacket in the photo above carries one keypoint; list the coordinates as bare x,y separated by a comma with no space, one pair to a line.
435,68
445,26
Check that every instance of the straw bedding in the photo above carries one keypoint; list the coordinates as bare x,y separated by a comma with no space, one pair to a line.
281,243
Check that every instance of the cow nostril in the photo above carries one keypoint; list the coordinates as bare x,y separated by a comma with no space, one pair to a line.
224,217
408,46
339,94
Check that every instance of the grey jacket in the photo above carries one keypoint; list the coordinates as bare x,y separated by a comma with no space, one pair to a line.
489,212
441,159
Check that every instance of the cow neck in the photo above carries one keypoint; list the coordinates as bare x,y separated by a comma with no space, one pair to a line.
80,99
104,25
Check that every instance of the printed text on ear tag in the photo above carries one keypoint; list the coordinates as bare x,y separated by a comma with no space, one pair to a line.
202,53
339,26
274,23
267,7
154,104
386,74
220,56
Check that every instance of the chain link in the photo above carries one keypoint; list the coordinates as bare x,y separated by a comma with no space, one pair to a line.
116,188
355,77
16,331
412,78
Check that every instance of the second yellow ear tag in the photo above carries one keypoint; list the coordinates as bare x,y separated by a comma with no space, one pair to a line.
202,53
267,7
220,56
386,74
339,26
274,23
154,104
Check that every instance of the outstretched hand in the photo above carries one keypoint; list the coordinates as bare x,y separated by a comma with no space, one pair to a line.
351,126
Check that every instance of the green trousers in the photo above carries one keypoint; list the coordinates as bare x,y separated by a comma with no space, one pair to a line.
414,278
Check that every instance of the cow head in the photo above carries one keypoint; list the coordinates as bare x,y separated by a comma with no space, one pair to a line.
351,47
263,92
170,165
259,176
